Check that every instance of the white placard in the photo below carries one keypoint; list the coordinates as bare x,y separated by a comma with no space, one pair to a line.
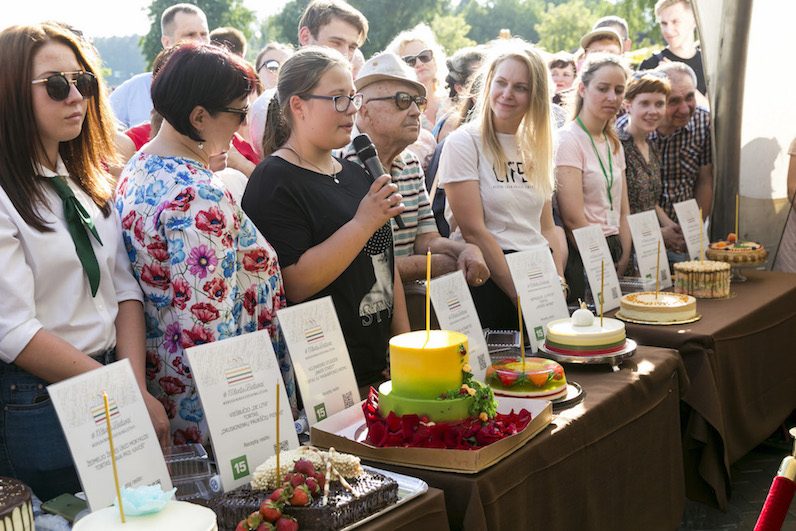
594,252
320,358
80,408
236,380
537,283
646,233
691,223
455,311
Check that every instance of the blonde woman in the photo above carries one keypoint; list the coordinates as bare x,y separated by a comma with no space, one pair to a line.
497,175
420,50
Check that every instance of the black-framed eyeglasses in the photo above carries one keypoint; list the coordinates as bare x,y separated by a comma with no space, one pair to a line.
58,84
403,100
242,112
272,65
424,57
341,102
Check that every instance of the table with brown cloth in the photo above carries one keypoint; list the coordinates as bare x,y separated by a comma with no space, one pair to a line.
424,513
614,461
741,363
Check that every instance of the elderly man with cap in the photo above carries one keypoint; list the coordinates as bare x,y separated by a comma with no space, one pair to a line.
390,115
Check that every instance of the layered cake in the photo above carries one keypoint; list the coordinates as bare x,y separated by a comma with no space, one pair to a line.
660,307
734,251
16,511
354,493
706,279
583,335
539,378
176,515
427,370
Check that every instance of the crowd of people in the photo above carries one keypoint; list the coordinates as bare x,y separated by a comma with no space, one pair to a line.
228,191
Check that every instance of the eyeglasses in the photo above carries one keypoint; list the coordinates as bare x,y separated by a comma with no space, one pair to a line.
272,65
341,102
57,85
425,56
403,100
242,113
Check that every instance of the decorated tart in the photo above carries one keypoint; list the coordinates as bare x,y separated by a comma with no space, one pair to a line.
734,251
660,307
539,378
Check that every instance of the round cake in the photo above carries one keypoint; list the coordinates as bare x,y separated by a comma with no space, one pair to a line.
540,378
583,335
734,251
16,511
425,367
706,279
176,515
660,307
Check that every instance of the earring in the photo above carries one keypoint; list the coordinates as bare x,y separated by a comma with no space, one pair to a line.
201,146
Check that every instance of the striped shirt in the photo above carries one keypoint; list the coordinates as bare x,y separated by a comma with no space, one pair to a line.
418,218
683,154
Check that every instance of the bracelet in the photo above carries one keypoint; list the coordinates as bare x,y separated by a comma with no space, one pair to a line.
564,285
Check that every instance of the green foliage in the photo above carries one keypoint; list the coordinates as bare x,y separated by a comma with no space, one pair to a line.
486,19
387,18
640,16
561,26
283,27
121,58
219,13
451,32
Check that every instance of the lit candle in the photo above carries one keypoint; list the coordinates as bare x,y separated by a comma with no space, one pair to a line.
522,341
113,454
658,270
602,288
278,443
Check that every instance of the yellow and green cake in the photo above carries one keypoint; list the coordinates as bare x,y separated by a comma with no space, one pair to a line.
428,372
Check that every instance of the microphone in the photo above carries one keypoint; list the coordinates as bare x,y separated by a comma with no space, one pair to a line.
366,152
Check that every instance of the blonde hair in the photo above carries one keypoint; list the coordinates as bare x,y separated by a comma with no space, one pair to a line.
534,135
593,63
422,33
660,5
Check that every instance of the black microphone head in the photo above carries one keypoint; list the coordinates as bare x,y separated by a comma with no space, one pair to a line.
362,141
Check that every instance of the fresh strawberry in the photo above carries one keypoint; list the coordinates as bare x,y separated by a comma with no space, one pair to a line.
242,526
558,373
287,523
295,479
539,379
313,486
304,466
271,510
732,237
507,378
320,478
301,496
254,520
265,526
281,494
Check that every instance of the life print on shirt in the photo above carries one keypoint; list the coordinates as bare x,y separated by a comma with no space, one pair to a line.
377,303
513,177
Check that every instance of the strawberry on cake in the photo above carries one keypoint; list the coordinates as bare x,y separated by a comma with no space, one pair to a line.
538,378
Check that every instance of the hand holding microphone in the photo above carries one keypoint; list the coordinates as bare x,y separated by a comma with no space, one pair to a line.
366,152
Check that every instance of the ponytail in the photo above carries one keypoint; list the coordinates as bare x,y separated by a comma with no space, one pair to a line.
277,129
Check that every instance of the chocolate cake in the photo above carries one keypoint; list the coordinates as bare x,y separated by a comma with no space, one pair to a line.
375,492
16,511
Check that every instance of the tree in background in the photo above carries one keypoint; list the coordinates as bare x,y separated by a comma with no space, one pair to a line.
283,27
387,18
219,13
486,19
561,26
451,32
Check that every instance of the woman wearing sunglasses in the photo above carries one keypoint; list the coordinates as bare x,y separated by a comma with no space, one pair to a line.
498,179
206,271
419,49
327,218
69,301
269,60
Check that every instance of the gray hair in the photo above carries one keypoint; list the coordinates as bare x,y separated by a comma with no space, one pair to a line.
677,68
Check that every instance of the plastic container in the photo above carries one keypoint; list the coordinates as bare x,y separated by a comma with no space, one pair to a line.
191,472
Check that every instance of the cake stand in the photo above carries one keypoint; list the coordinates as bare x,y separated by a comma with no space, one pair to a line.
736,270
613,359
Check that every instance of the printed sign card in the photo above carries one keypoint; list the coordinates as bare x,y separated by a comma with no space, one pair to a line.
80,407
236,379
455,311
646,233
691,224
537,283
323,367
594,252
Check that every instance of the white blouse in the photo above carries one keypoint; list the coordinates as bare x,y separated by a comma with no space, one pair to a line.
43,285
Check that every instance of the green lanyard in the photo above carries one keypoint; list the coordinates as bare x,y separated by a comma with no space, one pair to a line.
609,176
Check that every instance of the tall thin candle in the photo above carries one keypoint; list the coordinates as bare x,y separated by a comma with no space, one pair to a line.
602,288
428,293
701,231
278,439
113,455
658,270
737,205
522,341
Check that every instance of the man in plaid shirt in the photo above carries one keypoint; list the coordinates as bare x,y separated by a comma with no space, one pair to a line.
683,140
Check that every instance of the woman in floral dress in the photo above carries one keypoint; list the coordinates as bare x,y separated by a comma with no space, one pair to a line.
206,272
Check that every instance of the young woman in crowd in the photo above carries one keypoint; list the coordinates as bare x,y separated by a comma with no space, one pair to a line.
206,271
497,175
590,165
462,66
327,218
270,60
69,301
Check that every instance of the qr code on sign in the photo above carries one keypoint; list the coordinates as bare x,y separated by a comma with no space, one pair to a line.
482,362
348,399
614,294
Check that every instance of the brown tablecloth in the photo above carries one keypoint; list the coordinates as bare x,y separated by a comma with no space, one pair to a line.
613,461
424,513
741,362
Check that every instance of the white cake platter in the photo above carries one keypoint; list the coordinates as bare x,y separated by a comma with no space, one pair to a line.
613,359
693,319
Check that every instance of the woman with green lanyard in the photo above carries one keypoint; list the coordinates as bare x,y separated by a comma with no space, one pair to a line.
590,165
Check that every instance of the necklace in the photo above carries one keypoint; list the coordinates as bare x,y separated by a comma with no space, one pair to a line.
302,160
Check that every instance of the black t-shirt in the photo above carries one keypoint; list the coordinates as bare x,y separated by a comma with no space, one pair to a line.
694,62
297,209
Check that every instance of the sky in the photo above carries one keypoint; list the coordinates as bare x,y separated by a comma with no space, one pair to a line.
102,18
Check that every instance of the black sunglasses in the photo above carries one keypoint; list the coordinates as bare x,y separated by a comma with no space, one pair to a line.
425,56
57,85
242,113
403,100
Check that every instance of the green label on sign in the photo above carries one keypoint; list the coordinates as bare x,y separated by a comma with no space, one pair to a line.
320,412
539,332
240,467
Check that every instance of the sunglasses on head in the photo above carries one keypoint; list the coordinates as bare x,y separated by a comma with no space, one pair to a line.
272,65
403,100
58,85
424,57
